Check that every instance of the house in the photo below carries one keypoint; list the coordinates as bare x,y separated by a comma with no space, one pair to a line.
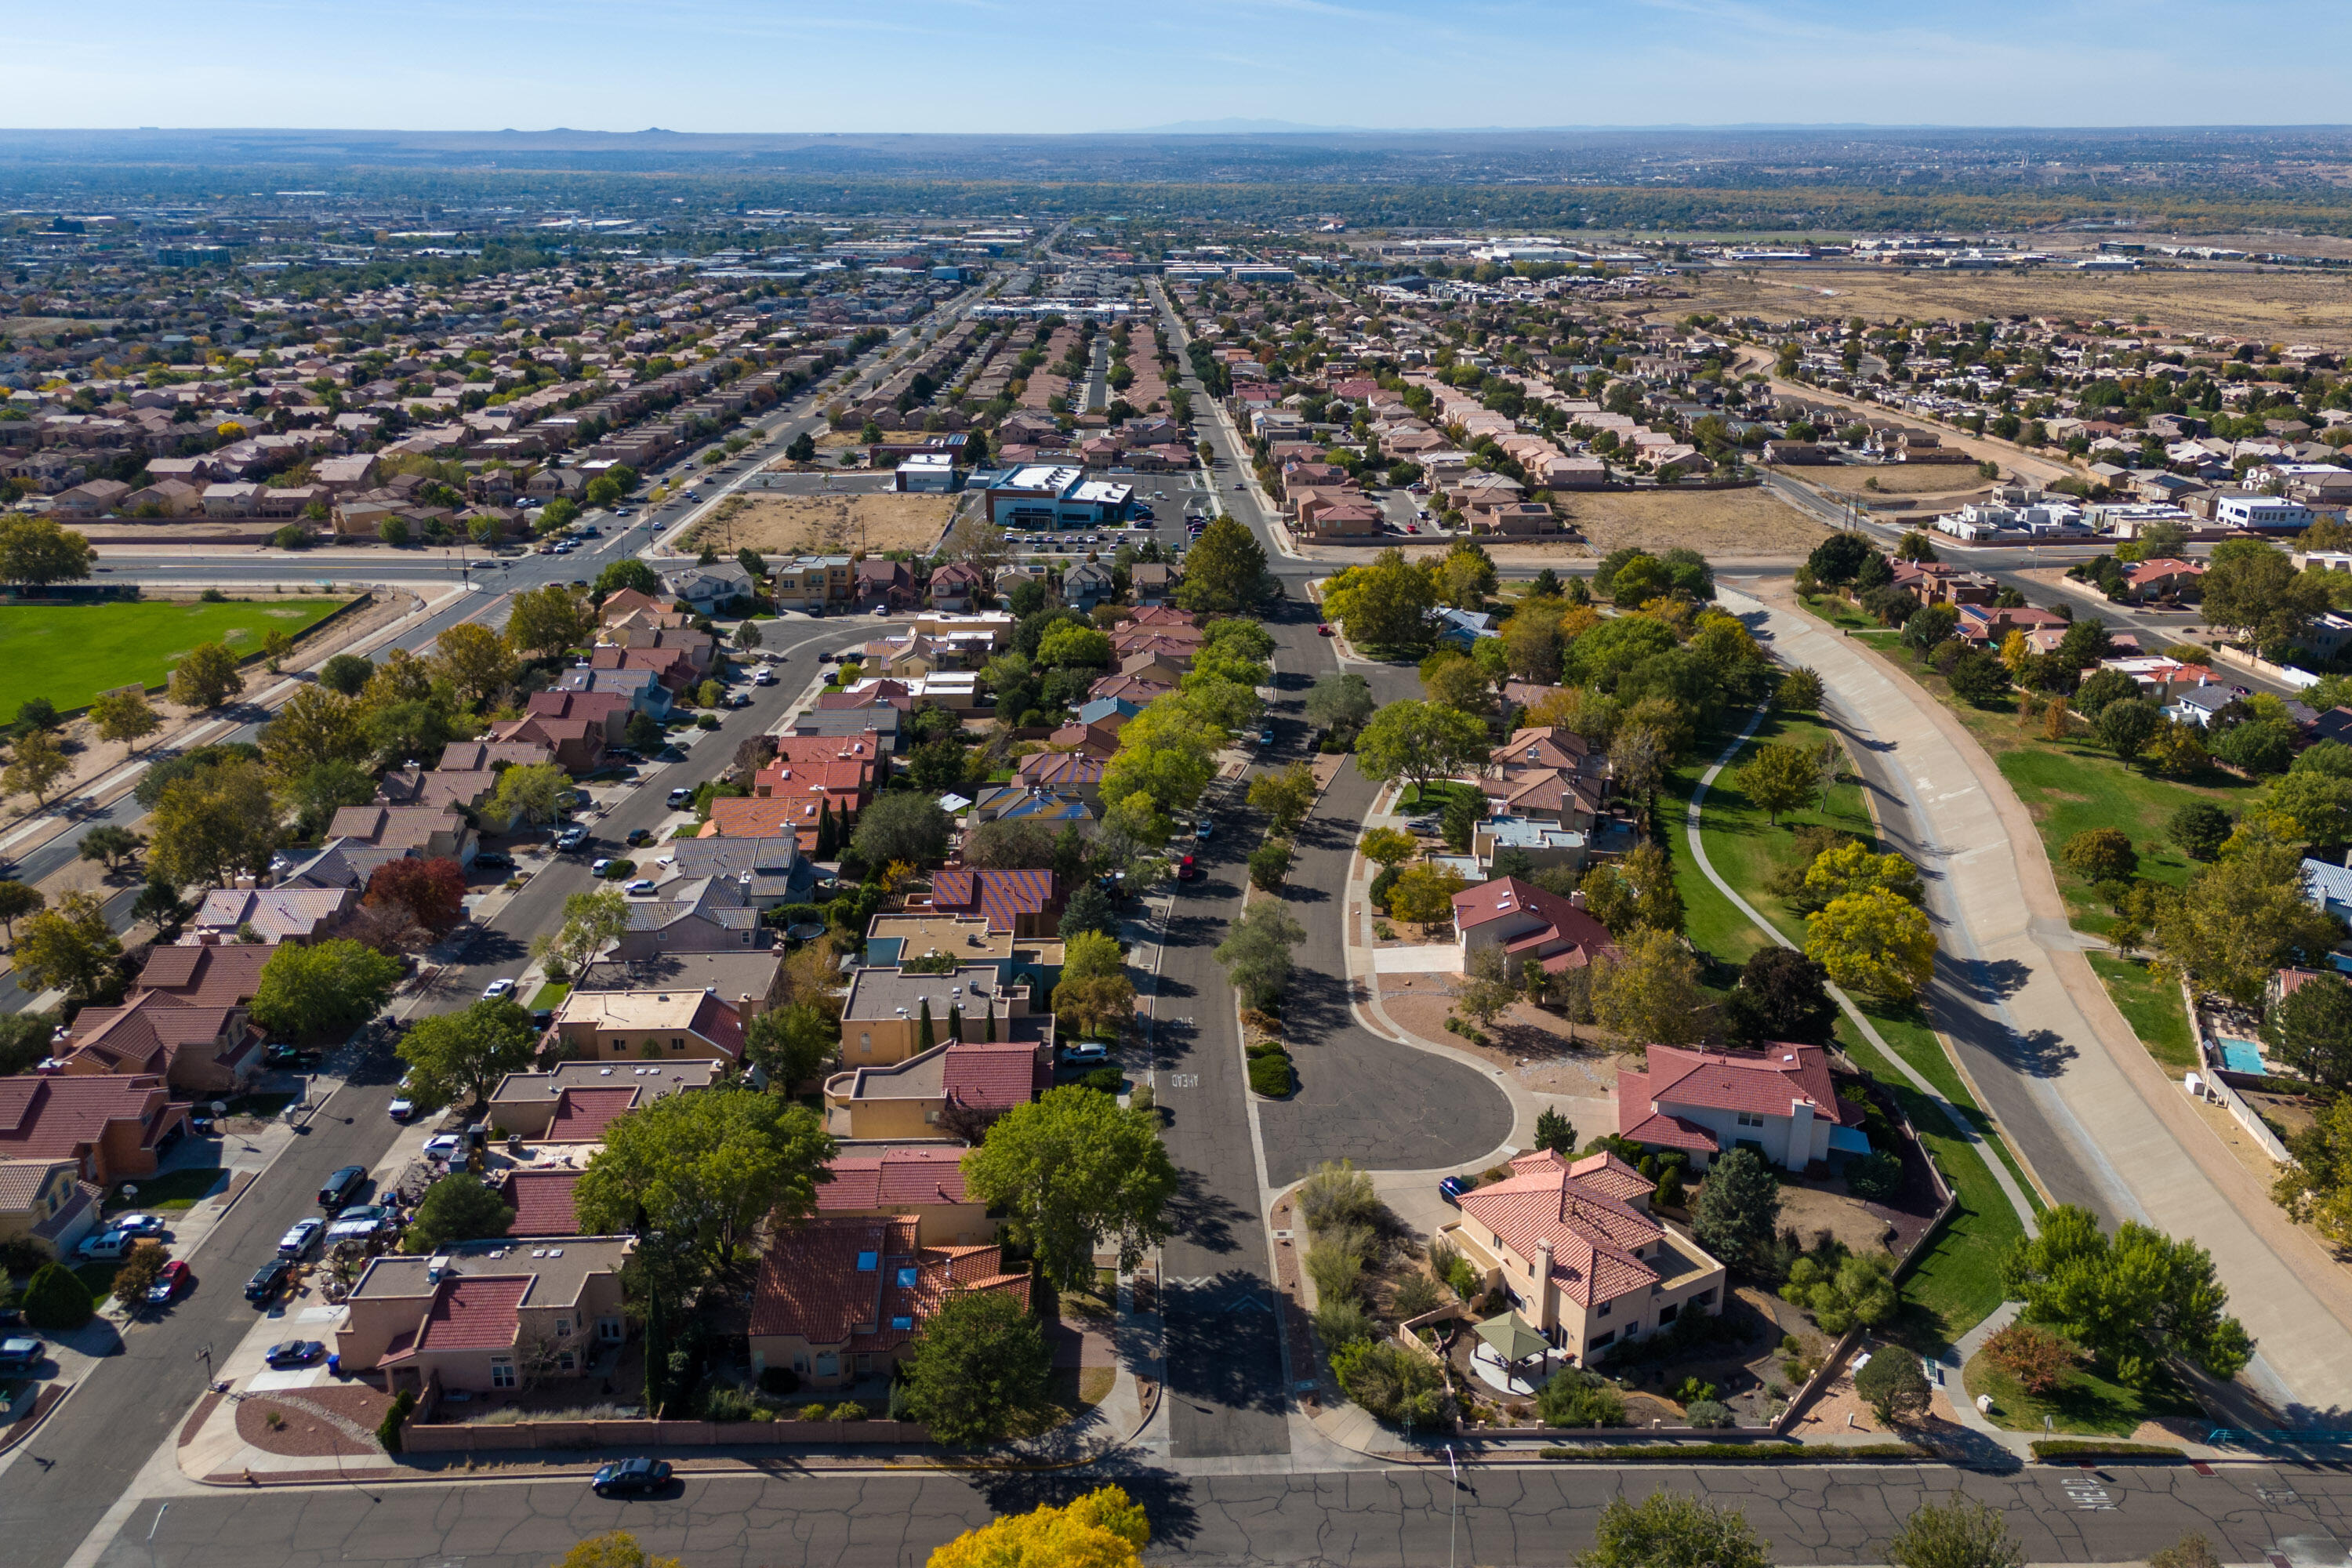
1524,923
1086,583
1576,1251
1152,582
1034,962
2164,578
111,1127
700,914
924,1181
2199,704
765,872
886,582
752,977
877,724
1778,1102
1066,772
46,1205
628,603
199,1051
1990,624
576,1102
1026,904
641,689
2327,886
204,974
667,1025
572,727
953,586
486,1317
542,1201
432,834
707,589
1542,843
883,1015
672,666
274,914
841,1298
908,1100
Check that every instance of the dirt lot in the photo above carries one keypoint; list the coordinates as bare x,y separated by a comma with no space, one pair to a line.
2299,307
1958,480
1718,524
829,524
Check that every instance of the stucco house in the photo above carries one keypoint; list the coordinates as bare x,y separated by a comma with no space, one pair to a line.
1778,1102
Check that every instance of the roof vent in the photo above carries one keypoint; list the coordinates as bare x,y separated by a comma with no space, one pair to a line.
603,1072
1789,1057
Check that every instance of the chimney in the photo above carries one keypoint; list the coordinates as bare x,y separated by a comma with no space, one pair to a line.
1575,899
1543,1248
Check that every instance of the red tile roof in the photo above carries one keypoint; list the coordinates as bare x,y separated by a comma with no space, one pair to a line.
206,975
1637,1121
1002,896
472,1314
1542,747
64,1118
1765,1082
991,1078
582,1114
903,1178
811,1285
542,1202
1560,935
1593,1235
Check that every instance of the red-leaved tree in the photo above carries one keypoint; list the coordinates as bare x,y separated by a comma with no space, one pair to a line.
432,890
2036,1357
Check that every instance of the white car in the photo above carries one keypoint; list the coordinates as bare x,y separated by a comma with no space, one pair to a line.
142,1224
1085,1053
297,1241
495,989
597,868
444,1147
764,677
643,888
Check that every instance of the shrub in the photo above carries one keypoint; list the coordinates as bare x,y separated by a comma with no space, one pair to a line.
725,1402
1575,1398
1709,1413
1414,1295
387,1431
620,870
1270,1075
1378,892
1892,1383
1875,1177
2038,1358
1336,1262
1269,863
57,1300
1104,1081
705,721
849,1410
1390,1383
1335,1195
1343,1321
1670,1189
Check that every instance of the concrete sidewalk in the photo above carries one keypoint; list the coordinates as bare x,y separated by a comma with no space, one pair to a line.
2045,1022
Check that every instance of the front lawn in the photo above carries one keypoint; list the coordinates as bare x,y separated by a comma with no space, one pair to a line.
2151,1005
70,653
550,995
2088,1400
173,1191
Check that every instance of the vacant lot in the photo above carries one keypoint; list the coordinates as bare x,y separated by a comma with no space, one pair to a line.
1956,479
1715,523
782,525
2286,307
70,653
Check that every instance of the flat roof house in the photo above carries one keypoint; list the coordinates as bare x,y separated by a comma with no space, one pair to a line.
486,1317
576,1102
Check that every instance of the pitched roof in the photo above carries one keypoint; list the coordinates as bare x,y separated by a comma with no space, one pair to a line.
542,1202
1002,896
210,974
993,1077
1544,746
812,1284
57,1118
582,1114
899,1179
1593,1235
1562,935
1766,1082
474,1312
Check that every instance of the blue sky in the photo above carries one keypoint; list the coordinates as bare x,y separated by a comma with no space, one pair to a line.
1049,65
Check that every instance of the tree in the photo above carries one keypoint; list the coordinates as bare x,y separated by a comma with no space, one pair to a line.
1100,1529
707,1169
324,789
1978,677
218,821
803,448
1739,1207
2310,807
140,1271
1555,1132
16,902
533,792
55,1300
1666,1530
1874,940
1287,797
1851,868
206,677
1647,991
1424,894
1386,847
1075,1170
625,573
2309,1030
2191,1550
978,1365
2198,828
2126,726
1835,560
1636,891
2039,1359
1419,742
1487,988
111,842
475,659
551,620
462,1055
1962,1533
1225,571
1089,910
458,1208
323,991
68,947
314,726
431,892
39,763
1340,702
36,552
2244,918
2101,855
2253,589
1781,996
901,825
791,1045
2131,1300
613,1549
1256,952
1072,645
1780,778
125,716
1897,1390
975,540
1384,606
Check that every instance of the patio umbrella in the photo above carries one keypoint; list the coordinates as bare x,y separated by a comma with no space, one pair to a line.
1511,1340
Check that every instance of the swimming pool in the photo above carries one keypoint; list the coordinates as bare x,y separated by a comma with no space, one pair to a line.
2240,1056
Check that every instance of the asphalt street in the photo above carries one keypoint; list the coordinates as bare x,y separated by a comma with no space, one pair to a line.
1374,1518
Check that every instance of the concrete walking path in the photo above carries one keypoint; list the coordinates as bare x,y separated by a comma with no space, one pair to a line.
2041,1020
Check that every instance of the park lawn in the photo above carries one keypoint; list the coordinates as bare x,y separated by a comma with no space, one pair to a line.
70,653
1743,843
2151,1005
1843,614
2088,1400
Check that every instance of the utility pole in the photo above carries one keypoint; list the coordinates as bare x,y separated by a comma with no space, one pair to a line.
1454,1503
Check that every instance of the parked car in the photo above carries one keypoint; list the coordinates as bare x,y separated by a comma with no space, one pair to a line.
268,1281
137,1224
299,1236
20,1352
1186,871
175,1277
295,1352
739,699
105,1247
571,838
1323,629
1450,1189
636,837
643,888
764,677
680,797
445,1146
603,863
490,860
1204,829
340,1188
291,1057
495,989
1086,1053
543,1019
626,1476
402,1108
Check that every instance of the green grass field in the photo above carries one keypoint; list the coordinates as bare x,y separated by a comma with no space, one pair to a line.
2088,1400
70,653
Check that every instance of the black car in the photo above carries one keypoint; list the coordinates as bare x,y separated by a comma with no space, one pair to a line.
340,1188
626,1476
268,1281
492,861
291,1057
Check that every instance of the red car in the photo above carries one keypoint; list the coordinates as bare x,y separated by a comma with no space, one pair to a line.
1185,870
1323,629
175,1279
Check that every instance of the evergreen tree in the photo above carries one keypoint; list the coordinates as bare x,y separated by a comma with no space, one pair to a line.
828,837
924,1035
955,1022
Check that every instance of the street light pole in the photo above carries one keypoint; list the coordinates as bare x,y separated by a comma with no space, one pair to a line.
1453,1504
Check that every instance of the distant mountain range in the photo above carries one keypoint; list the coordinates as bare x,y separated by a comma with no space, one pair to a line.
1236,126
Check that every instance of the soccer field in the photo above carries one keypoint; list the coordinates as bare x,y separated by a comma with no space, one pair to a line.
70,653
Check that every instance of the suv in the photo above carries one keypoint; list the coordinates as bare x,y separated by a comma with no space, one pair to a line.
340,1188
19,1353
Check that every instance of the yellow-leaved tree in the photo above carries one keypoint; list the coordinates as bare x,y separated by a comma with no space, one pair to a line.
1100,1529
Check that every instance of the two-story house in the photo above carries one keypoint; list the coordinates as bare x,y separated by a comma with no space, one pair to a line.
486,1317
839,1298
1778,1102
